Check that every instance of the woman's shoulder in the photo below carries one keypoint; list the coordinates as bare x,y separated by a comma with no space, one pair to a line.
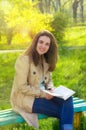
23,58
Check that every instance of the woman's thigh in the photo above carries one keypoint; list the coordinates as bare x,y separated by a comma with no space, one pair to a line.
49,107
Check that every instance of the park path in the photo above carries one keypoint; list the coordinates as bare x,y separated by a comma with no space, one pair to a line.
10,51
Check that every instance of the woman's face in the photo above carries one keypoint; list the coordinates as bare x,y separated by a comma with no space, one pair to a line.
43,45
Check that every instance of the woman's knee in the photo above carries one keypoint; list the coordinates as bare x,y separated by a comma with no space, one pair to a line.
70,100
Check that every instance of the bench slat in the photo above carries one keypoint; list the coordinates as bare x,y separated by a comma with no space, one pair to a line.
2,112
4,120
78,101
80,107
75,98
11,120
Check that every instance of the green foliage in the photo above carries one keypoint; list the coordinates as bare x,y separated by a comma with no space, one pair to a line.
75,36
71,70
83,123
23,20
45,124
7,61
55,124
2,22
58,24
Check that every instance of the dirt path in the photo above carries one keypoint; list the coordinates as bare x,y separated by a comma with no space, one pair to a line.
10,51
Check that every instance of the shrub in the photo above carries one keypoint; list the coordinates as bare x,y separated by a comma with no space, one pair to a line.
58,25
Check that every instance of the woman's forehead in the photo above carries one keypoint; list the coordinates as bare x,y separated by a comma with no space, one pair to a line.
44,38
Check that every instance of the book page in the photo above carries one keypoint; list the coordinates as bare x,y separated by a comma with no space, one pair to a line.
61,92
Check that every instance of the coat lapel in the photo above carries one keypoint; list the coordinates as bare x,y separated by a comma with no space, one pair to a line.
45,65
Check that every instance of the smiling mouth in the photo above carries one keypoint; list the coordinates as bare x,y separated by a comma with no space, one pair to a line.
41,50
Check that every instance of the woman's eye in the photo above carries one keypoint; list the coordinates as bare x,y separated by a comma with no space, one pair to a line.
47,44
40,41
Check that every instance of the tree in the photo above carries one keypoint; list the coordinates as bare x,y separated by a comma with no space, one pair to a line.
3,24
9,35
58,24
56,5
75,7
81,11
40,4
47,6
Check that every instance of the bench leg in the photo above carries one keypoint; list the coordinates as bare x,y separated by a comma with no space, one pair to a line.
77,118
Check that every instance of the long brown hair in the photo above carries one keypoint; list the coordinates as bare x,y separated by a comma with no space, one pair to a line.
51,56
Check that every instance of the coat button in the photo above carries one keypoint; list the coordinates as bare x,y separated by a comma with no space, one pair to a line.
45,78
34,72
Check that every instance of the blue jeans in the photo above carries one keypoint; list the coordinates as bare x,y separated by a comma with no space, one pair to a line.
56,107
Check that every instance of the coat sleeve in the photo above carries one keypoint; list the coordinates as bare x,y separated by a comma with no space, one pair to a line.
20,79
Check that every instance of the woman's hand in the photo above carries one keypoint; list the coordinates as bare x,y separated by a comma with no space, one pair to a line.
48,96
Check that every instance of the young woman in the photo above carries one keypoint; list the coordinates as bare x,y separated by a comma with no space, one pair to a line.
33,73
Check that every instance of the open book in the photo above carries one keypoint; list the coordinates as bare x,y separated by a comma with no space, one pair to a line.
61,92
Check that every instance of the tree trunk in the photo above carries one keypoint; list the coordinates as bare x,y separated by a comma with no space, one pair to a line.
41,6
47,6
56,4
0,36
9,36
75,7
59,2
81,11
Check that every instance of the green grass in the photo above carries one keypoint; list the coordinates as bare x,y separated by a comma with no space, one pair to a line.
17,46
75,36
7,62
71,71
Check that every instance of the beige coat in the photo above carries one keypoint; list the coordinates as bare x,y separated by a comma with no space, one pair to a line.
26,87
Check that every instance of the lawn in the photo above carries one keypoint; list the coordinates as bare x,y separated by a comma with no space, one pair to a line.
75,36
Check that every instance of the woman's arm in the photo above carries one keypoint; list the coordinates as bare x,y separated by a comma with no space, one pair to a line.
22,70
